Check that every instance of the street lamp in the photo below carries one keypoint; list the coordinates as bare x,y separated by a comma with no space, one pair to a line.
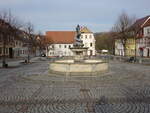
135,41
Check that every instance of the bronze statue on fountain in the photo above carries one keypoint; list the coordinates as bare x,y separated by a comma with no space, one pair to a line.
78,48
78,41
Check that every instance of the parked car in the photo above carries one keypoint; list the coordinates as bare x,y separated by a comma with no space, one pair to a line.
43,55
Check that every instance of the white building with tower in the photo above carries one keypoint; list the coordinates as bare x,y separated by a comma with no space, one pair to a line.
88,40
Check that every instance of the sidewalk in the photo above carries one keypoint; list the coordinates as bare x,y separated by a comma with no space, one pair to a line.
140,60
17,62
11,59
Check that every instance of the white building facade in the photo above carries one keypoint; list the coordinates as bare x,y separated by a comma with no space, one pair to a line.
88,40
60,43
59,50
119,49
143,41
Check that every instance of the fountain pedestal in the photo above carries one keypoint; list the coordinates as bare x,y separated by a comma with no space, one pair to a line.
79,53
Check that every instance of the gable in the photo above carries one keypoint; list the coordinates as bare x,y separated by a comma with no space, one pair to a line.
147,23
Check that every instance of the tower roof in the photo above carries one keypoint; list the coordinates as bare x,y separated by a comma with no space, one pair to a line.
85,30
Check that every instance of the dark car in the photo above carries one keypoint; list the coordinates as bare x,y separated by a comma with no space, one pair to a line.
43,55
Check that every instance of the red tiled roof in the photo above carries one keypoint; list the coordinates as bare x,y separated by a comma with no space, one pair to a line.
60,37
147,23
140,22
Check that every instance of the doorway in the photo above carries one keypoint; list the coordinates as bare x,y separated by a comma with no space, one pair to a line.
10,53
91,52
148,52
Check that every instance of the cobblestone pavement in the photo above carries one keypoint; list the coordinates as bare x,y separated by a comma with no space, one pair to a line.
31,89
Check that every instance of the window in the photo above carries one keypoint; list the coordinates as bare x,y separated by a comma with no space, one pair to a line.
86,44
8,39
90,36
81,36
148,31
52,46
86,36
59,46
19,51
69,46
0,50
65,46
0,37
16,43
20,44
6,50
91,44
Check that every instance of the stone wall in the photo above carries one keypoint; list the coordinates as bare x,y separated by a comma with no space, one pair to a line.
78,68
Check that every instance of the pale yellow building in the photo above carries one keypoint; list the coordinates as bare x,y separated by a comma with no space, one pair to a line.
130,47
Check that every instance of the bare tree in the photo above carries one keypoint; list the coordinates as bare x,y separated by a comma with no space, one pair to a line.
122,27
29,29
105,41
41,42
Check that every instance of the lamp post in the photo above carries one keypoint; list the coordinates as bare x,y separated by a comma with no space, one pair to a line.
28,52
4,50
135,41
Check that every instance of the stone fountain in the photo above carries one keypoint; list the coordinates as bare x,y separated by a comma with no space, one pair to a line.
79,65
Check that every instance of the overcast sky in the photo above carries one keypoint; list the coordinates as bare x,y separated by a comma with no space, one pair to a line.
97,15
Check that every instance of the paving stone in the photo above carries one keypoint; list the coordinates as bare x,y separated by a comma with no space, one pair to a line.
31,89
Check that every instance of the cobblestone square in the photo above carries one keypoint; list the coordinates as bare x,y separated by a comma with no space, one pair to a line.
125,88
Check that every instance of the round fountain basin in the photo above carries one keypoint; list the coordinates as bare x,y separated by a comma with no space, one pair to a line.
87,67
